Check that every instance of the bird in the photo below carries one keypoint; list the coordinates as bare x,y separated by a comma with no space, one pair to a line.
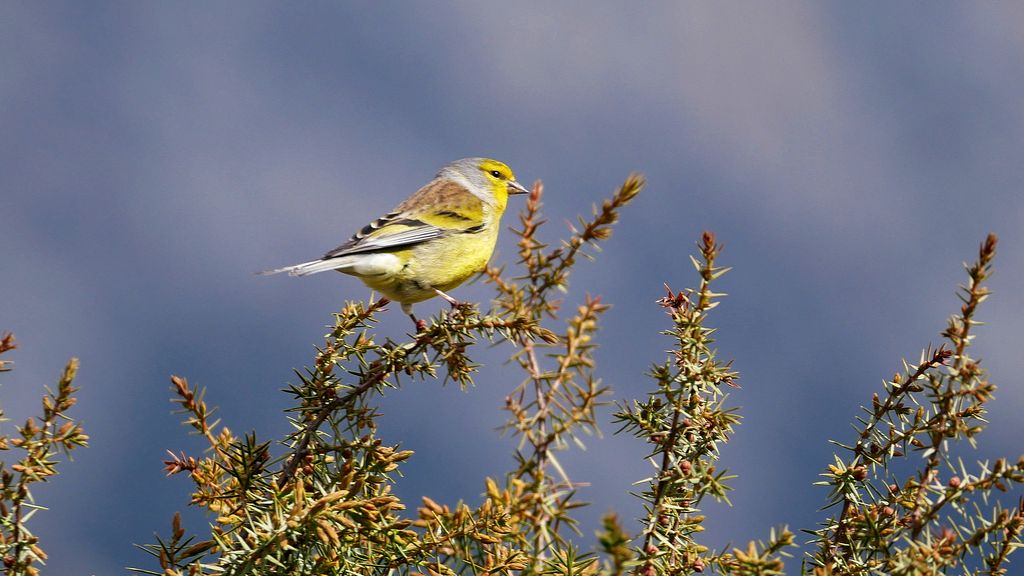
430,243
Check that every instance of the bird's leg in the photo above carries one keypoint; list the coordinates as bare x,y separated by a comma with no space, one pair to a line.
447,298
420,324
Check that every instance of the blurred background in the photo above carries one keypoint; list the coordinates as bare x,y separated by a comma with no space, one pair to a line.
154,155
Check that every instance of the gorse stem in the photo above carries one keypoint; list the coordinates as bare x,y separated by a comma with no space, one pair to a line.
924,524
552,406
685,421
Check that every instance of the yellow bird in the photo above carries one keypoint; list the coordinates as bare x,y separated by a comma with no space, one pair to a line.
433,241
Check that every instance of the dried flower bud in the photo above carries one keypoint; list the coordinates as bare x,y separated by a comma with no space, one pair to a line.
954,482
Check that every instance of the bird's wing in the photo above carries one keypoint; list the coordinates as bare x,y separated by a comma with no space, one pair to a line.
383,233
440,208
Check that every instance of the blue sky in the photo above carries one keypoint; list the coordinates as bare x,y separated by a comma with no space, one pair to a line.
154,155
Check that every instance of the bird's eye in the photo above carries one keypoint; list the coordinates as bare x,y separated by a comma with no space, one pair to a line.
495,173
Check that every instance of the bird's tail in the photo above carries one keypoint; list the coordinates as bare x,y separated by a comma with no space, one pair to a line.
307,268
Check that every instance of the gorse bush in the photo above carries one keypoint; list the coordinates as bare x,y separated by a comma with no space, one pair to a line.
37,442
321,501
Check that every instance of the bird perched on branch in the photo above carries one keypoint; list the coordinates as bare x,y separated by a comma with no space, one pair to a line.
433,241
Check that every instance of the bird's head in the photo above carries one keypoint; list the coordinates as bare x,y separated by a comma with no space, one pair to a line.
490,179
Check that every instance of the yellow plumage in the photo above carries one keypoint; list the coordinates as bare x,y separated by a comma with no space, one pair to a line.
433,241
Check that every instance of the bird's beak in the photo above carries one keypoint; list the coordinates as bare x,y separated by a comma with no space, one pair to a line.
516,188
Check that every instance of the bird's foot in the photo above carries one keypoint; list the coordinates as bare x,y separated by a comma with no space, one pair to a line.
421,325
